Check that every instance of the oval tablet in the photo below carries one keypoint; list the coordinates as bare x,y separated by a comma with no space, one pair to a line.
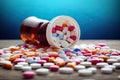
42,71
28,74
66,70
85,72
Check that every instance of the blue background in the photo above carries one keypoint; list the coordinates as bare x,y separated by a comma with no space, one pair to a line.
98,19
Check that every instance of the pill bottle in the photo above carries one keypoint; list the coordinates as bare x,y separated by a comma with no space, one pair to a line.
60,32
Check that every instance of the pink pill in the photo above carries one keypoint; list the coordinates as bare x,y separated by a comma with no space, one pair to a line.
71,28
73,37
114,54
18,60
42,62
53,30
57,27
95,61
45,58
101,44
87,54
28,74
54,68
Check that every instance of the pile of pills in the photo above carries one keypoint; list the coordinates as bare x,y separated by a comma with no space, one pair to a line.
85,59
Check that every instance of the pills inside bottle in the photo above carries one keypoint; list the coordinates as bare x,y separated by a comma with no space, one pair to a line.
60,32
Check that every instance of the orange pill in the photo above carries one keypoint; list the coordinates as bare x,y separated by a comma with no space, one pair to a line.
51,59
61,63
53,54
64,25
13,57
72,65
103,57
8,66
14,49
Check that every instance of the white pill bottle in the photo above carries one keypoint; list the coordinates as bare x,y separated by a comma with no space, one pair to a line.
60,32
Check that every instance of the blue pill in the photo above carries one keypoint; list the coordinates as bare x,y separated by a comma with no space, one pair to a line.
76,49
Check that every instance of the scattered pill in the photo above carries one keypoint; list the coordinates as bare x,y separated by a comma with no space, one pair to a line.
102,64
42,71
26,68
35,65
87,64
85,72
78,67
66,70
47,65
28,74
106,70
54,68
18,67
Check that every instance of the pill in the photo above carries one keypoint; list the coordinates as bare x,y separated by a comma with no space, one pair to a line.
53,54
66,70
61,63
45,58
94,70
13,57
72,64
102,64
64,44
47,65
87,64
110,66
59,32
18,60
102,44
118,77
71,28
4,61
26,68
7,65
78,67
18,67
23,63
73,37
117,65
65,29
85,72
42,71
35,65
28,74
54,68
57,27
111,61
106,70
42,62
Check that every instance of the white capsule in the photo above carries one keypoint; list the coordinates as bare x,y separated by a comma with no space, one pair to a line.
66,70
87,64
35,65
42,71
117,65
111,61
85,72
47,65
102,64
23,63
65,30
26,68
68,34
94,70
18,67
106,70
70,40
78,67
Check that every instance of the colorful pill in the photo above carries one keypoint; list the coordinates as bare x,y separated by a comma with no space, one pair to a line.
54,68
28,74
42,71
61,63
7,65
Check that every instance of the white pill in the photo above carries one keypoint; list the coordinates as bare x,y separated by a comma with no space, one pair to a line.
70,40
42,71
64,44
47,65
117,65
78,67
66,70
102,64
106,70
23,63
87,64
110,61
118,77
110,66
18,67
26,68
65,30
85,72
94,70
68,34
64,37
59,32
35,65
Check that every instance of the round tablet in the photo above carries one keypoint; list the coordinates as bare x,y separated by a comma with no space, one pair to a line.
42,71
18,67
28,74
35,65
102,64
106,70
85,72
78,67
26,68
66,70
87,64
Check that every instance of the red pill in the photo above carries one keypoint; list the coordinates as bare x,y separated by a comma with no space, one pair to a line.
73,37
54,68
29,74
59,28
71,28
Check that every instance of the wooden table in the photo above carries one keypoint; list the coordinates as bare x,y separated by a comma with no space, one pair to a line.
17,75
